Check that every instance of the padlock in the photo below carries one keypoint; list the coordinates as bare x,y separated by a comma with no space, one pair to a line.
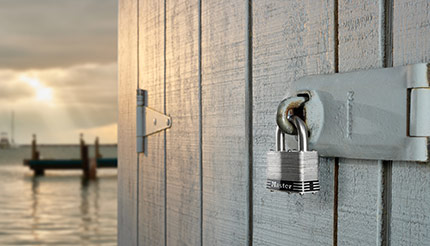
293,170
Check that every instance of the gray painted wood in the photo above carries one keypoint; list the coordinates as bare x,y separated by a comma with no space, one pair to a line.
225,171
357,201
152,163
410,210
360,35
127,157
411,26
182,140
361,47
291,39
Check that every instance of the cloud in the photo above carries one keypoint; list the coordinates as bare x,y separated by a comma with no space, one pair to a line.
89,85
12,89
58,68
83,97
53,33
108,133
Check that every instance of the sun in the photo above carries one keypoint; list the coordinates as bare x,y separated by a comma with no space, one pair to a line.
42,93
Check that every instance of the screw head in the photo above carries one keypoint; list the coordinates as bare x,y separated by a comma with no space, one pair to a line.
155,122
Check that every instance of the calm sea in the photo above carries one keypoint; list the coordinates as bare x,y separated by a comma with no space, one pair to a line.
59,208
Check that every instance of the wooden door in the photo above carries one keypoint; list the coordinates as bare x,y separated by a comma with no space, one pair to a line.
219,68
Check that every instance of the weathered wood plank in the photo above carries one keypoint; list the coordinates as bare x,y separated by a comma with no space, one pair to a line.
127,157
361,44
291,39
410,210
152,162
357,202
225,171
411,32
360,35
182,140
361,47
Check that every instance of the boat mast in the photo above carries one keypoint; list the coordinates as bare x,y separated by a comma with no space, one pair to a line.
12,141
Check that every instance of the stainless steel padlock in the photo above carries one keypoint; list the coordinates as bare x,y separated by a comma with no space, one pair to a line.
293,170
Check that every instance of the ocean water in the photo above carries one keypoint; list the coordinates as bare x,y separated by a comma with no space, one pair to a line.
59,208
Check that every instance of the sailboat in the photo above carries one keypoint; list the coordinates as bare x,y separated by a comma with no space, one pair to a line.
4,139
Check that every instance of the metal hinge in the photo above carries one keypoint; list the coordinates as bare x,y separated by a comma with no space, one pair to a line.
380,114
419,100
148,121
419,117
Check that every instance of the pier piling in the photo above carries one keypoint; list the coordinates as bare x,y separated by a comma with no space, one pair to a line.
88,165
35,155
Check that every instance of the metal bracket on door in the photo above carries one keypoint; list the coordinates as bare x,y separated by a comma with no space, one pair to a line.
148,121
381,114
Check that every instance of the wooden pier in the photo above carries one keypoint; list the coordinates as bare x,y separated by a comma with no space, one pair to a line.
88,165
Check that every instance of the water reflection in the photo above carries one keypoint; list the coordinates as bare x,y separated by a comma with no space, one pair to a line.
59,208
89,209
52,210
34,194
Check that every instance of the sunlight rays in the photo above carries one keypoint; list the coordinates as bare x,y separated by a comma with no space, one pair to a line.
59,103
42,93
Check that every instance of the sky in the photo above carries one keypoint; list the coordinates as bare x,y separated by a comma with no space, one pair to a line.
58,69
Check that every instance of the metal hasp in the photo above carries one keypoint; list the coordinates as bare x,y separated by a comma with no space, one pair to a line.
148,121
381,114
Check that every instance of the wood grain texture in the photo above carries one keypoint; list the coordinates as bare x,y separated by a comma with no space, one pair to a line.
225,171
152,163
291,39
361,47
410,212
127,157
182,103
411,32
357,202
361,43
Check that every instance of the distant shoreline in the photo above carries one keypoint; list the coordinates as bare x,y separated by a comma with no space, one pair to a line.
66,145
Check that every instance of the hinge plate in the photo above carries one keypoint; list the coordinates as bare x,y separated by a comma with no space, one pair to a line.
379,114
148,121
419,121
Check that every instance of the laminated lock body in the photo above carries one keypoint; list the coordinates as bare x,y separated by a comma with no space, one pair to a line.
293,171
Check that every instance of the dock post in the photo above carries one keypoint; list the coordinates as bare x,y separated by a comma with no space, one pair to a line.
93,168
88,165
85,161
93,161
35,155
97,148
34,152
81,141
84,155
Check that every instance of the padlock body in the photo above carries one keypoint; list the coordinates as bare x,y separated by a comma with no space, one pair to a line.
293,171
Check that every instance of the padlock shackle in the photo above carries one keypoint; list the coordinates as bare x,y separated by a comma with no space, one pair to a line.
302,131
280,140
